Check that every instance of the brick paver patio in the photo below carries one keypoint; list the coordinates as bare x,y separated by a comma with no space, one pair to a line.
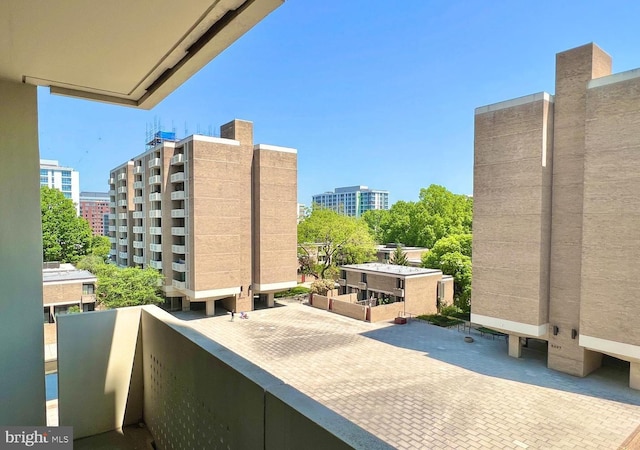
418,386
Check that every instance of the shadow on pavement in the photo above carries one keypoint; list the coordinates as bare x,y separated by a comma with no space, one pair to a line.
489,357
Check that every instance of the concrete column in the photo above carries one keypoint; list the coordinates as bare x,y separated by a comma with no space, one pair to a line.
21,325
634,375
211,307
186,304
515,349
271,302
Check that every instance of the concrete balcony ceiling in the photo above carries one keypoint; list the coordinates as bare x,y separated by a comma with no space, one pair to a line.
136,59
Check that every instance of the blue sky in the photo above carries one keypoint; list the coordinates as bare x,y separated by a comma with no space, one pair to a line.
369,92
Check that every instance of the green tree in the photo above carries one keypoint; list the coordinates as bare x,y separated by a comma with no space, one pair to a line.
399,257
452,255
119,287
100,246
328,239
376,219
65,236
322,286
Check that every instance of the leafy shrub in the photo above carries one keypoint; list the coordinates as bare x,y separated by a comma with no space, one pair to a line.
322,286
450,310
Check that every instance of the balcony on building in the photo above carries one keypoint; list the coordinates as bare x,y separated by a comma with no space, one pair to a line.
138,185
177,213
122,203
138,214
155,213
138,259
112,192
122,216
156,231
178,231
112,180
177,177
138,244
123,255
155,162
138,200
178,284
177,160
155,197
155,179
111,216
122,229
137,170
156,264
124,242
112,240
113,251
112,204
177,195
112,228
122,190
122,177
155,247
179,266
138,229
178,249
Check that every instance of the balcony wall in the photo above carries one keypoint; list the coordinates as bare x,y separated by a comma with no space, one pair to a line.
190,391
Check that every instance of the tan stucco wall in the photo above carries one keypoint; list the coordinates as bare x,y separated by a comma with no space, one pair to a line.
320,301
610,281
351,298
448,291
62,293
348,309
511,223
421,294
21,331
100,375
386,312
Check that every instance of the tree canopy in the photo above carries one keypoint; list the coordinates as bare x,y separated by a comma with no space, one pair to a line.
327,239
437,213
100,246
399,257
65,236
452,255
119,287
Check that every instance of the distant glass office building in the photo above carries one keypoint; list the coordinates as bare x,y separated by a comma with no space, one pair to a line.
64,179
353,200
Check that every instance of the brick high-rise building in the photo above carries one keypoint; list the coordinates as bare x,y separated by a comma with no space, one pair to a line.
216,215
556,226
94,208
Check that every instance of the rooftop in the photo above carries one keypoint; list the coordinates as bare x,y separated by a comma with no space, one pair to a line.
392,269
66,272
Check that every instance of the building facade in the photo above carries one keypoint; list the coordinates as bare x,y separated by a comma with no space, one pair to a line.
353,200
556,252
416,290
217,216
414,254
64,179
94,208
65,286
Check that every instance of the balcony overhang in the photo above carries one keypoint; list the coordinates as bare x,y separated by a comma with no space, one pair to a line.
122,52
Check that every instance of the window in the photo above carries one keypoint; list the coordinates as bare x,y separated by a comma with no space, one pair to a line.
343,274
400,283
88,289
363,277
66,173
66,188
44,172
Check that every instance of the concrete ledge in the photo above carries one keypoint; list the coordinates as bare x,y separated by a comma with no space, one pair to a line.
514,102
511,327
620,350
615,78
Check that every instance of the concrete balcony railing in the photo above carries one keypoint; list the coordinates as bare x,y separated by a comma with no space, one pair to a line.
111,216
155,247
123,255
138,259
155,213
155,162
138,185
156,179
111,180
138,214
178,195
362,285
112,204
88,298
179,249
178,284
177,160
122,216
138,200
113,252
342,281
112,228
122,177
113,240
122,229
177,177
112,192
138,230
398,292
179,266
123,242
122,190
155,197
177,213
122,202
137,170
156,264
139,364
177,231
138,244
155,230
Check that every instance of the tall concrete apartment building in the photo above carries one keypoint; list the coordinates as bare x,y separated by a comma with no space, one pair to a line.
353,200
64,179
556,245
94,208
217,216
